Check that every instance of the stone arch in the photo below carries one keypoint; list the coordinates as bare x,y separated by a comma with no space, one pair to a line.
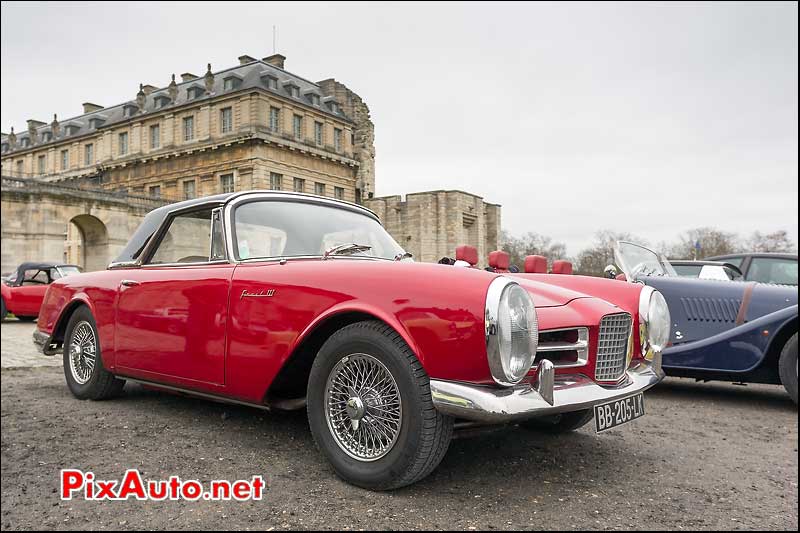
87,243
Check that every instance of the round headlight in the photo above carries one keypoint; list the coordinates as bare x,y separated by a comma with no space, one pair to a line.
512,331
654,322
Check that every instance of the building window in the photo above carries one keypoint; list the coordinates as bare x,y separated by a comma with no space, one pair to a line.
226,120
226,182
297,126
272,83
338,193
155,136
189,190
64,159
274,118
42,164
188,128
88,154
123,143
314,99
275,181
155,191
337,139
319,189
318,133
299,185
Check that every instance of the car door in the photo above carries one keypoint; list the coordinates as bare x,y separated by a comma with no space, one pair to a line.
27,297
171,313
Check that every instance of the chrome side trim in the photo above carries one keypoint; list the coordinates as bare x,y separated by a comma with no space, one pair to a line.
491,405
190,392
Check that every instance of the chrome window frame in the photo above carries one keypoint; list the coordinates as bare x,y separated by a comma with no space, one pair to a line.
255,196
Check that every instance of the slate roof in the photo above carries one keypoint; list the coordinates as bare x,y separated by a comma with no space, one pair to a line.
249,76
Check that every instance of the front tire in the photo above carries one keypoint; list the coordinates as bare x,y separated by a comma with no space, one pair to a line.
370,409
787,366
561,423
83,364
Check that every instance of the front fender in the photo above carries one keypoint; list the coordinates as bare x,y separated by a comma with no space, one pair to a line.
740,349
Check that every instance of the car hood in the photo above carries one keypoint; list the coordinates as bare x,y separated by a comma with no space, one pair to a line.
546,295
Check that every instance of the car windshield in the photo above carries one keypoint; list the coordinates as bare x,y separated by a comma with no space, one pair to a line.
270,228
636,261
64,271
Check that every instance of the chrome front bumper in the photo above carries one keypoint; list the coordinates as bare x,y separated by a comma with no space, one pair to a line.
550,395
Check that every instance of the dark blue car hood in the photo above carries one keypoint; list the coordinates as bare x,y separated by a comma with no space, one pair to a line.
702,308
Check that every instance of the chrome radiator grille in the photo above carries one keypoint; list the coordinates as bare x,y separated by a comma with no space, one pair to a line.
612,347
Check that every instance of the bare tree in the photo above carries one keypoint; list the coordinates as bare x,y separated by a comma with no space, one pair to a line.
531,244
777,241
593,260
699,243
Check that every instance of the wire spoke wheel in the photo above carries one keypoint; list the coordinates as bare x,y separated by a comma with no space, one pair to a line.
82,352
363,407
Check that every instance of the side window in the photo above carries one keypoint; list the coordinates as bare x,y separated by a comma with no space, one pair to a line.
217,236
35,277
187,240
735,261
769,270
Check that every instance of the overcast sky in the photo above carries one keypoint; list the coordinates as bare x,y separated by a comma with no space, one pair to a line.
646,118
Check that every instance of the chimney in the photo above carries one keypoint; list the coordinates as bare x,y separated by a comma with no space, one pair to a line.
34,123
148,89
276,60
188,76
245,59
88,107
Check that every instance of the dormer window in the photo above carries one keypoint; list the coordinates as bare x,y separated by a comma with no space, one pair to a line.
47,136
71,129
313,98
161,100
195,91
292,88
25,142
334,107
128,110
5,147
231,82
96,122
270,81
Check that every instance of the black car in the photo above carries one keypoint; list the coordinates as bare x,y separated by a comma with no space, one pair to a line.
780,269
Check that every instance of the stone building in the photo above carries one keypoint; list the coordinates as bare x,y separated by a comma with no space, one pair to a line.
432,224
252,126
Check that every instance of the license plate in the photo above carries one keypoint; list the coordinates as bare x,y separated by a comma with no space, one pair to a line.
612,414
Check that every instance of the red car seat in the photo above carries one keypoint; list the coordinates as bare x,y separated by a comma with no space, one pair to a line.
468,254
499,261
562,267
535,264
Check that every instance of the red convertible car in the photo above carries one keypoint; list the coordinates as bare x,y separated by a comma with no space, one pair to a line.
23,291
283,300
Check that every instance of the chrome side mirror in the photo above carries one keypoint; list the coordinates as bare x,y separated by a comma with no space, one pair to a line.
611,272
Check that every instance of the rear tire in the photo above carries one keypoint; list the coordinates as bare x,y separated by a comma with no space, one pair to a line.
787,366
561,423
370,409
83,363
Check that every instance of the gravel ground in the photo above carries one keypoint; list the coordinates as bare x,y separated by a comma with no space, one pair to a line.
706,456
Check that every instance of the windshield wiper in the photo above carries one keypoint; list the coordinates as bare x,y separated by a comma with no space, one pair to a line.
345,249
403,255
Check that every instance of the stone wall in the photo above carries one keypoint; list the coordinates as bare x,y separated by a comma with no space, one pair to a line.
432,224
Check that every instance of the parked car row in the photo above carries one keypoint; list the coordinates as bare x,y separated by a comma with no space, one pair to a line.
288,301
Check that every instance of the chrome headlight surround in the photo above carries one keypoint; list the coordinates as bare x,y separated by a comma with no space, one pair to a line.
512,331
654,322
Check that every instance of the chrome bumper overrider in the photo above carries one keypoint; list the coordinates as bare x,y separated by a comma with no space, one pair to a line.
549,395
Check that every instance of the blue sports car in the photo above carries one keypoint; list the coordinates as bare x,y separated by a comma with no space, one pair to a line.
734,331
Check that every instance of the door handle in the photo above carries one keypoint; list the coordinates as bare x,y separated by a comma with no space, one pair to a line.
128,283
